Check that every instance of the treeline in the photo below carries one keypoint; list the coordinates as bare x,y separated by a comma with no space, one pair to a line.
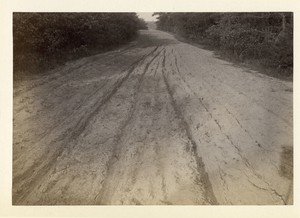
43,39
264,37
151,25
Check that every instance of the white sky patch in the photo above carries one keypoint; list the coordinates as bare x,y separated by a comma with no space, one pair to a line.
147,16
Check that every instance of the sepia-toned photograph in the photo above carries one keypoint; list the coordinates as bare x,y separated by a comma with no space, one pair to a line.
156,108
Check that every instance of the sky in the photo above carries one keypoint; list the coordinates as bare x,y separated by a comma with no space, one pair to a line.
147,16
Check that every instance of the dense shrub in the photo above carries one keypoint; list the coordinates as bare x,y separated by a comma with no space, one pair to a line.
265,37
42,38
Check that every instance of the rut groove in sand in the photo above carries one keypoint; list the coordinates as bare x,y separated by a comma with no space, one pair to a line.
157,122
68,136
203,175
103,196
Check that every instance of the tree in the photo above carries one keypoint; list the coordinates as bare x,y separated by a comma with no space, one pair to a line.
267,37
40,37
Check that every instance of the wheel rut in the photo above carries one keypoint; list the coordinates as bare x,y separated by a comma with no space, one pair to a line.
42,166
104,196
157,122
203,175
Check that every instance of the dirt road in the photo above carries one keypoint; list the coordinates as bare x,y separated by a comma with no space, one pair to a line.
156,122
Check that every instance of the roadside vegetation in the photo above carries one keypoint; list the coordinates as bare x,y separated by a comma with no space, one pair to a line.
42,41
264,40
151,25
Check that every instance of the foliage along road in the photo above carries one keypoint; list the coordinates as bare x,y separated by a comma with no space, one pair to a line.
156,122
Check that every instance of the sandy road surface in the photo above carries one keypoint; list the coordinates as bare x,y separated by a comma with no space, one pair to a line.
156,122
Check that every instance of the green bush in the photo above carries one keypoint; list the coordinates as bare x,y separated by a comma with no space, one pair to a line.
263,37
42,38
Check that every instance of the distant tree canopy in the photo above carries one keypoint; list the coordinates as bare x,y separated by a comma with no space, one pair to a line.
143,25
39,36
151,25
264,36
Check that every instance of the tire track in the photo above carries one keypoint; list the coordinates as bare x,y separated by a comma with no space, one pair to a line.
73,112
71,70
152,125
201,102
251,99
239,152
83,122
42,166
204,177
104,195
69,73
